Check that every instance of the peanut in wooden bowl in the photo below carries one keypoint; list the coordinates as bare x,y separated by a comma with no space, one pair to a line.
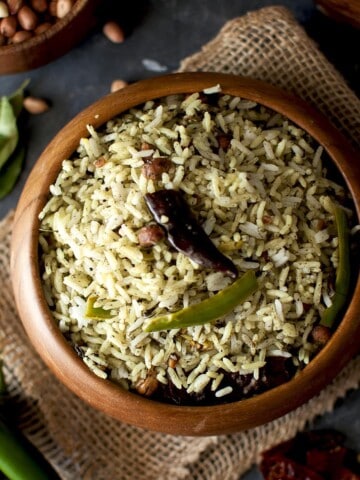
59,39
59,355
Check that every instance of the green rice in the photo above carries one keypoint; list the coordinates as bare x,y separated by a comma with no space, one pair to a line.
265,202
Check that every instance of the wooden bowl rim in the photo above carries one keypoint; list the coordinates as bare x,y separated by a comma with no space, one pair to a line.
57,353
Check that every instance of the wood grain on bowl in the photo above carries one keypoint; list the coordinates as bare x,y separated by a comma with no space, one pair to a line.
105,395
50,43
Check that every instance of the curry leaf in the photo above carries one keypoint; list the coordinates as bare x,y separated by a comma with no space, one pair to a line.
9,134
11,171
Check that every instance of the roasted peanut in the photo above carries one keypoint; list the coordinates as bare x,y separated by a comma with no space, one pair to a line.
173,360
117,85
150,235
43,27
148,386
63,7
8,26
14,6
321,334
21,36
154,167
99,162
113,32
52,8
4,10
39,5
35,105
27,18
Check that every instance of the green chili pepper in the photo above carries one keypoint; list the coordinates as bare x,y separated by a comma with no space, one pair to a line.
208,310
97,313
19,460
342,282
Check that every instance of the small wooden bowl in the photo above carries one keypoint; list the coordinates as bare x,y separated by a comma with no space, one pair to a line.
53,43
57,353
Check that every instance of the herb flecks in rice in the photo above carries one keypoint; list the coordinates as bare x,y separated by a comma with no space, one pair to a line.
261,196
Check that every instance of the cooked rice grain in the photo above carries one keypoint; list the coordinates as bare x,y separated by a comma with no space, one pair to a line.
260,201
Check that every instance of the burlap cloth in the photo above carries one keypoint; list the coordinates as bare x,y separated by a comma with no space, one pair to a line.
82,443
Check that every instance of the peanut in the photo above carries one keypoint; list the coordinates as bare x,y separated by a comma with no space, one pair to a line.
4,10
14,6
52,8
117,85
39,5
63,7
21,36
147,386
43,27
114,32
8,26
35,105
27,18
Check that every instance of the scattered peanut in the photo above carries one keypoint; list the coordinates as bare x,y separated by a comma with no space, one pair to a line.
117,85
35,105
114,32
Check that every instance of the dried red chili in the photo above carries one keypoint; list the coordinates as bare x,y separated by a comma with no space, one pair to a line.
171,211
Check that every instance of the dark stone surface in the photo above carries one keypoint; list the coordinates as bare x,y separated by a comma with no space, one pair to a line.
164,32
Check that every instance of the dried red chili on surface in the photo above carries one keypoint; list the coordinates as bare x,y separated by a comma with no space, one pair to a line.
313,455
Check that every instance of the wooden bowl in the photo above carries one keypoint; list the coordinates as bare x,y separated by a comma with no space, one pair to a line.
53,43
57,353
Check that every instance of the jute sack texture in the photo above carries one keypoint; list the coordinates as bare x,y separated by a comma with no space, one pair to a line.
83,444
